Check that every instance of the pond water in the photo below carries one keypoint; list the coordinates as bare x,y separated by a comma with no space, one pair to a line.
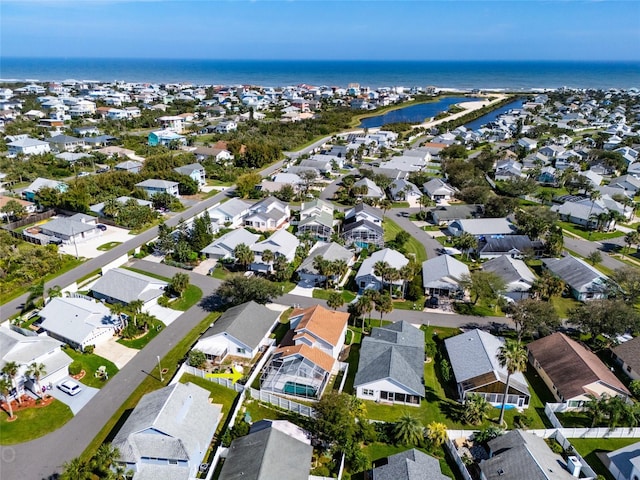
414,113
491,116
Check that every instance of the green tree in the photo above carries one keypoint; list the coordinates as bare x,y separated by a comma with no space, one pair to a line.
534,316
267,256
201,233
512,356
383,304
10,370
408,430
104,460
605,317
482,285
239,289
243,255
476,409
246,183
166,242
76,469
179,283
594,257
547,285
6,386
197,358
36,295
465,242
335,300
36,371
436,433
445,370
13,210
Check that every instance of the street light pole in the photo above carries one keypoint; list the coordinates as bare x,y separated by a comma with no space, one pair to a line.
160,369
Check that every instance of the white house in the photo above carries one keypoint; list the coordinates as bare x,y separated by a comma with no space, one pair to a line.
119,285
28,146
174,123
438,190
223,247
154,186
241,331
366,279
268,214
281,244
441,276
195,171
231,213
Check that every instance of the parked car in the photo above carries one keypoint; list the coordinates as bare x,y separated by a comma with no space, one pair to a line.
70,387
102,227
84,174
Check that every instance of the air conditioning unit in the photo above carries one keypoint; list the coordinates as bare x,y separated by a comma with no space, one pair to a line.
574,466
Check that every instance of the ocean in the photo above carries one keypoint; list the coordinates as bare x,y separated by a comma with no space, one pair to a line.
509,75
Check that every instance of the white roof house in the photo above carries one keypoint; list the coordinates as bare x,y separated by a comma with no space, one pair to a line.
367,279
281,243
441,275
28,146
78,321
482,227
124,286
231,213
224,246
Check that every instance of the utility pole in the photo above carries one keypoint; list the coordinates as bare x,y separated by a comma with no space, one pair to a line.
160,369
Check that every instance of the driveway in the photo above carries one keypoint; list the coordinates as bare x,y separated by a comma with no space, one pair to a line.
89,248
115,352
77,402
165,315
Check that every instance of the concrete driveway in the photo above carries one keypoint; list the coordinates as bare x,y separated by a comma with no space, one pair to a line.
89,248
77,402
165,315
115,352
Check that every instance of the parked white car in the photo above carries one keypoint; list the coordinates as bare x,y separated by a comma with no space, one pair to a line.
69,387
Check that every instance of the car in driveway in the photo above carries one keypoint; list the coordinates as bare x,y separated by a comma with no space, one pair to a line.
70,387
101,226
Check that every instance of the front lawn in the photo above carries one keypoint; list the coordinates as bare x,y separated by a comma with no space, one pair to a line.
90,362
480,309
412,248
323,294
108,246
190,297
139,343
588,234
588,447
34,422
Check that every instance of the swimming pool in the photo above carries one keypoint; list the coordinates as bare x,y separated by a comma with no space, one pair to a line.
293,388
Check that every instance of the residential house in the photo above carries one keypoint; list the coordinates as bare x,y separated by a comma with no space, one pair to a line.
28,207
508,170
391,365
74,229
165,138
195,171
445,214
98,208
168,433
259,455
408,465
572,372
372,190
230,214
29,193
25,350
130,166
438,190
528,144
241,331
626,182
366,279
482,228
268,214
28,146
548,176
552,151
173,123
223,247
154,186
441,276
517,277
302,366
226,127
402,190
331,252
119,285
65,143
584,281
316,219
477,370
72,157
627,355
363,226
515,246
281,244
78,321
322,163
519,455
624,463
219,155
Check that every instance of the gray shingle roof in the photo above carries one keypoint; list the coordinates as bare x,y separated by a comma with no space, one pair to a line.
510,269
189,169
267,454
329,251
229,241
443,271
127,286
40,182
395,351
67,227
155,183
23,349
507,243
248,322
181,413
628,351
409,465
394,258
578,274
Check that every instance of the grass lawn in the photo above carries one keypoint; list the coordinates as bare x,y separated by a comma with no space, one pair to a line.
108,246
480,309
33,423
90,363
217,393
323,294
220,272
413,247
400,205
564,304
141,342
152,275
582,232
410,304
190,297
587,447
152,382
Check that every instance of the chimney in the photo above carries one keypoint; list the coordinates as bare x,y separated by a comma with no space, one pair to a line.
574,466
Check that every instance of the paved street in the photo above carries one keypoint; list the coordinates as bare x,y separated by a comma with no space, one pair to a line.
585,247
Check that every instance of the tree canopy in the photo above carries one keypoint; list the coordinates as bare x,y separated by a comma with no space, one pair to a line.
239,289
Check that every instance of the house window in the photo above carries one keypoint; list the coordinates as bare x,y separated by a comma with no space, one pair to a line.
367,392
241,350
628,368
173,462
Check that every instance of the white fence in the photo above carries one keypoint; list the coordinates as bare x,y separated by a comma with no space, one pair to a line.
451,448
283,403
566,444
550,410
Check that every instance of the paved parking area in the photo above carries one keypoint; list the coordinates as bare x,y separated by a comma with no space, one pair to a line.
89,248
77,402
115,352
165,315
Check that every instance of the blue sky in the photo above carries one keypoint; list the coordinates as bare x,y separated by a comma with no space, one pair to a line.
304,29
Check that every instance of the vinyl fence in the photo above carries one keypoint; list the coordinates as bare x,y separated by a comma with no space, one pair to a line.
451,448
283,403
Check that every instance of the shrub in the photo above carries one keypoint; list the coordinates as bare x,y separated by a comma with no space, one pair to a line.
163,301
523,421
89,349
486,434
634,388
197,358
75,368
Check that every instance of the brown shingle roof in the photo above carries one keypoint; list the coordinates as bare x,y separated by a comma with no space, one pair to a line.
324,323
570,366
317,356
629,352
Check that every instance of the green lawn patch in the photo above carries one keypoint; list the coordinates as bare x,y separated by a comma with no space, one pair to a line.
190,297
413,247
587,234
400,205
323,294
90,363
217,393
480,309
564,304
139,343
220,272
108,246
260,411
410,304
280,331
33,423
588,447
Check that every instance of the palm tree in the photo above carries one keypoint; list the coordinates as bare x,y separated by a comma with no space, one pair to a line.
35,292
476,408
55,291
385,205
593,196
631,238
596,408
267,257
436,433
5,390
179,283
111,207
383,304
381,269
465,242
321,265
10,369
335,300
104,458
513,357
365,303
244,255
37,371
408,430
135,307
340,268
76,469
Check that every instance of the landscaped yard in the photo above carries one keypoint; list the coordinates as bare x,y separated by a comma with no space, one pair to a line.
563,305
108,246
587,447
323,294
90,363
190,297
413,247
33,423
139,343
588,234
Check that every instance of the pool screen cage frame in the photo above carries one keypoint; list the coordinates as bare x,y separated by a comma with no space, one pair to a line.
298,370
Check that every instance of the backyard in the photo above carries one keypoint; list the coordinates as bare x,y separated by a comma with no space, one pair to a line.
590,447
